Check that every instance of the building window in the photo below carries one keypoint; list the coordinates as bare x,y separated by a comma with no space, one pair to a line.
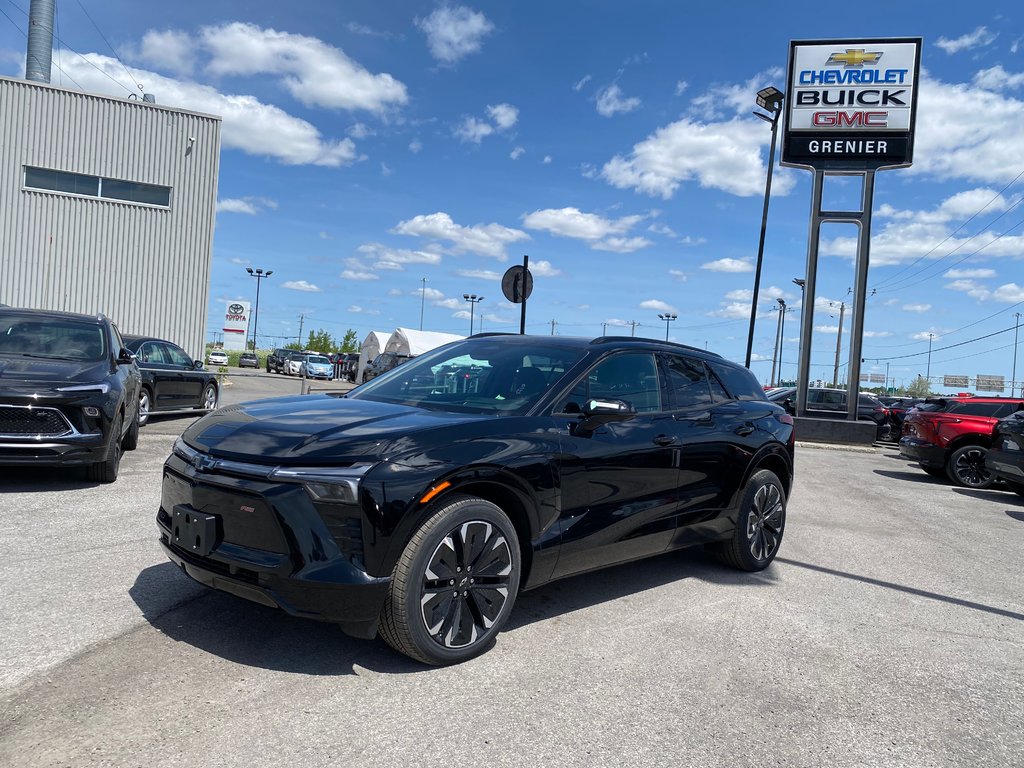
97,186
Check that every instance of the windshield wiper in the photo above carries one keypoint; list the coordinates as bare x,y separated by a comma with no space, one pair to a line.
43,357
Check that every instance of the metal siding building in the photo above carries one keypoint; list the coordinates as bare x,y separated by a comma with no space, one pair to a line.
145,266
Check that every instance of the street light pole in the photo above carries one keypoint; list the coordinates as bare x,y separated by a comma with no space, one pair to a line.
929,374
770,100
473,300
668,317
1013,376
259,274
777,349
423,298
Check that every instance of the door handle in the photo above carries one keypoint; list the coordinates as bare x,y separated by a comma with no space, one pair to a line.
745,429
664,440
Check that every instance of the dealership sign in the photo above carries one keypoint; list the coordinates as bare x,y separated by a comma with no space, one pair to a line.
851,104
236,324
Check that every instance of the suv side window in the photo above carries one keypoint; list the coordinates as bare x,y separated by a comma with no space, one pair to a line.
632,377
739,382
688,382
976,409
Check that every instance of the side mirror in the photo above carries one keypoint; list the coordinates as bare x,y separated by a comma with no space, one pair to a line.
788,405
124,357
597,413
198,364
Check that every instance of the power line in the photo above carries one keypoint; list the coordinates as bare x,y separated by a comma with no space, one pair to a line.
941,349
133,78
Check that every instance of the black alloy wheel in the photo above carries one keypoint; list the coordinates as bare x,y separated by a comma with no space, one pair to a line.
966,467
760,524
455,583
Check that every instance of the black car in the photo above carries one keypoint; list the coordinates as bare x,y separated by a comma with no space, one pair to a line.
69,392
828,403
277,359
1005,459
248,360
383,363
171,380
420,504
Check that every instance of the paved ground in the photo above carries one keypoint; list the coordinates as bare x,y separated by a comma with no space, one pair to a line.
890,632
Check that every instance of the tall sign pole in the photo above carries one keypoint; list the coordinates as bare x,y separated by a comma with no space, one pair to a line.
516,286
522,310
851,110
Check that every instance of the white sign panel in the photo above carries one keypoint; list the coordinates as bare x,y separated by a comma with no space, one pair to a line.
851,104
989,383
236,325
955,381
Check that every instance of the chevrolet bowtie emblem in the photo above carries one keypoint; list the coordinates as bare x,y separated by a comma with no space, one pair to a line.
854,57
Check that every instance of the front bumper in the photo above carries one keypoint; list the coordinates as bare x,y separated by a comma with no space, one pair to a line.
923,452
271,547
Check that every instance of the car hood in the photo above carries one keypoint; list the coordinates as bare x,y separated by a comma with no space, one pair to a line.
34,373
313,428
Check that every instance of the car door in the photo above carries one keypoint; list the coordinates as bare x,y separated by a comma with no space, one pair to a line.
191,380
618,482
717,437
159,374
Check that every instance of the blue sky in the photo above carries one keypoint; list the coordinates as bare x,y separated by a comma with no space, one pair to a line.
369,145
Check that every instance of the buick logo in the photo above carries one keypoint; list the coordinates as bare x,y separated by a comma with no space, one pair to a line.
235,309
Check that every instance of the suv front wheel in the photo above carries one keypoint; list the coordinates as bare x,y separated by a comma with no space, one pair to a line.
966,467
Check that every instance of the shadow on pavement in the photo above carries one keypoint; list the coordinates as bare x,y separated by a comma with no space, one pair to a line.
914,475
254,635
992,494
1016,514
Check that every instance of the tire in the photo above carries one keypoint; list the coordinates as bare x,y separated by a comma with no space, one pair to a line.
966,466
106,471
210,397
131,437
939,472
760,524
145,405
464,533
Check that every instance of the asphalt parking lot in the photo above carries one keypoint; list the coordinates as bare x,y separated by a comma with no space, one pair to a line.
889,632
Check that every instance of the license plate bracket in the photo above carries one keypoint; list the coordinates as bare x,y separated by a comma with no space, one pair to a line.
192,531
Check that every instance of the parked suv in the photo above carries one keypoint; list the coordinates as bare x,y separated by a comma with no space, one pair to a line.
69,392
826,403
383,363
420,504
951,436
1005,458
276,360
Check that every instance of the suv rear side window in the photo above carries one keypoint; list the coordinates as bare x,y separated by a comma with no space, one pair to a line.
980,409
738,382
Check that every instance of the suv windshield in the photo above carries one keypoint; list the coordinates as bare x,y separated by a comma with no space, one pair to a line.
474,376
63,338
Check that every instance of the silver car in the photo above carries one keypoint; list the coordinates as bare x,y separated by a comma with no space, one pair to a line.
318,367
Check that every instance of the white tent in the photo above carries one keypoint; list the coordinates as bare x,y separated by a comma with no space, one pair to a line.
373,345
406,341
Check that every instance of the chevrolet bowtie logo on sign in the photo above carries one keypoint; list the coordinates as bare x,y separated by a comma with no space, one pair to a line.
854,57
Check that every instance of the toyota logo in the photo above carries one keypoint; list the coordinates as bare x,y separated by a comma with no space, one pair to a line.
236,309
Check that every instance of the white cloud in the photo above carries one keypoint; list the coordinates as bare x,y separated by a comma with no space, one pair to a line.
678,274
830,329
516,153
546,160
681,86
478,274
454,32
360,131
385,169
359,274
541,268
395,258
301,285
313,72
354,309
503,115
740,294
969,274
657,305
662,229
725,155
1011,293
234,205
729,265
481,239
610,101
976,39
572,222
415,146
877,334
732,310
169,49
934,334
621,244
581,82
473,130
997,79
247,124
916,307
396,292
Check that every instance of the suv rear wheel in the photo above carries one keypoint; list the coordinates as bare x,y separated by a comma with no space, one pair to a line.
759,525
966,467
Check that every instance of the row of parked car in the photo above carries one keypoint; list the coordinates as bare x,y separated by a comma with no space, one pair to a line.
75,392
313,365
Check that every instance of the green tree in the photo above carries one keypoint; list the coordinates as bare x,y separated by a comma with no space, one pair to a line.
919,388
349,343
320,341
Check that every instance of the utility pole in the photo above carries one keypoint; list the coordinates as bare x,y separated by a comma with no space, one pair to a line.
928,375
1013,376
633,324
302,319
839,341
553,324
775,349
423,298
604,329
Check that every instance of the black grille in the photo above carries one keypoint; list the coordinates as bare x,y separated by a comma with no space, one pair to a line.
32,421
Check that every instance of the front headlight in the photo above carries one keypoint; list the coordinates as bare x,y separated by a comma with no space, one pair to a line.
99,386
339,485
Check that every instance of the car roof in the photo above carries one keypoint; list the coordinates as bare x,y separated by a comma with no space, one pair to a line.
131,339
49,313
584,342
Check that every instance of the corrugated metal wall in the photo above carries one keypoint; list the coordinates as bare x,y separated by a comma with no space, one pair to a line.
147,268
